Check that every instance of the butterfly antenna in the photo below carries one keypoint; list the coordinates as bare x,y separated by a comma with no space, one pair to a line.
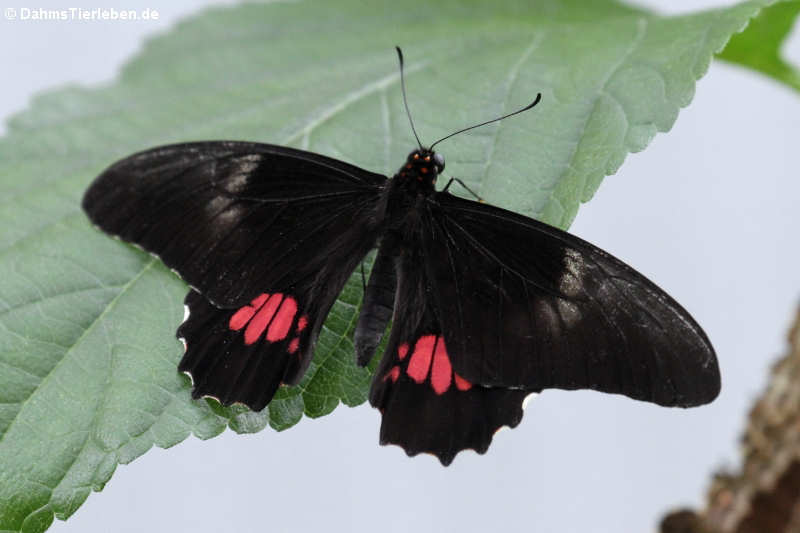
405,101
518,111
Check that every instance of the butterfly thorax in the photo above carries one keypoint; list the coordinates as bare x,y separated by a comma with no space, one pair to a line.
418,174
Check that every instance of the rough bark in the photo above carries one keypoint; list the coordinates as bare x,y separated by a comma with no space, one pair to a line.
764,495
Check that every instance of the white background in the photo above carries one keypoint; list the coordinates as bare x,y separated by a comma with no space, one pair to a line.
708,211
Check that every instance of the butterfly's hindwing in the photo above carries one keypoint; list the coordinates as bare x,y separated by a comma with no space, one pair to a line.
244,355
426,406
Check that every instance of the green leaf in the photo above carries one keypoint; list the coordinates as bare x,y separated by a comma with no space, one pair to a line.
87,348
759,46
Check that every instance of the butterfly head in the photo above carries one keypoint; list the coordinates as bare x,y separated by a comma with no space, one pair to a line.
422,166
426,161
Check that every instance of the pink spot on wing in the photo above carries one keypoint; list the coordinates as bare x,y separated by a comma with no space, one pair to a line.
262,319
294,345
302,323
392,374
441,372
241,317
402,351
420,361
461,383
282,323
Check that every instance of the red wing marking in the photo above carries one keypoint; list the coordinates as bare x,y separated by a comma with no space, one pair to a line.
259,300
441,373
420,361
241,317
271,313
402,351
461,383
429,358
262,319
294,345
392,374
282,323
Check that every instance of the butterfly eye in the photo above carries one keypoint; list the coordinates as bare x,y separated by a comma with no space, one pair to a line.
439,159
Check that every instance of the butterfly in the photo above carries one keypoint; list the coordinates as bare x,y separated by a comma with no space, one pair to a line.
486,306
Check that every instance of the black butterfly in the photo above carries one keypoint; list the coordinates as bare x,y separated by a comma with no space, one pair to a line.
487,305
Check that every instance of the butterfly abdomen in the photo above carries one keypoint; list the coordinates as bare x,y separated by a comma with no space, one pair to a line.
378,303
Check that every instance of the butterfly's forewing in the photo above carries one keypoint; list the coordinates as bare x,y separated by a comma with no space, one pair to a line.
235,219
523,304
267,236
426,406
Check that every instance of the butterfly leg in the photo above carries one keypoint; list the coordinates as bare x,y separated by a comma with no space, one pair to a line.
363,280
463,185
